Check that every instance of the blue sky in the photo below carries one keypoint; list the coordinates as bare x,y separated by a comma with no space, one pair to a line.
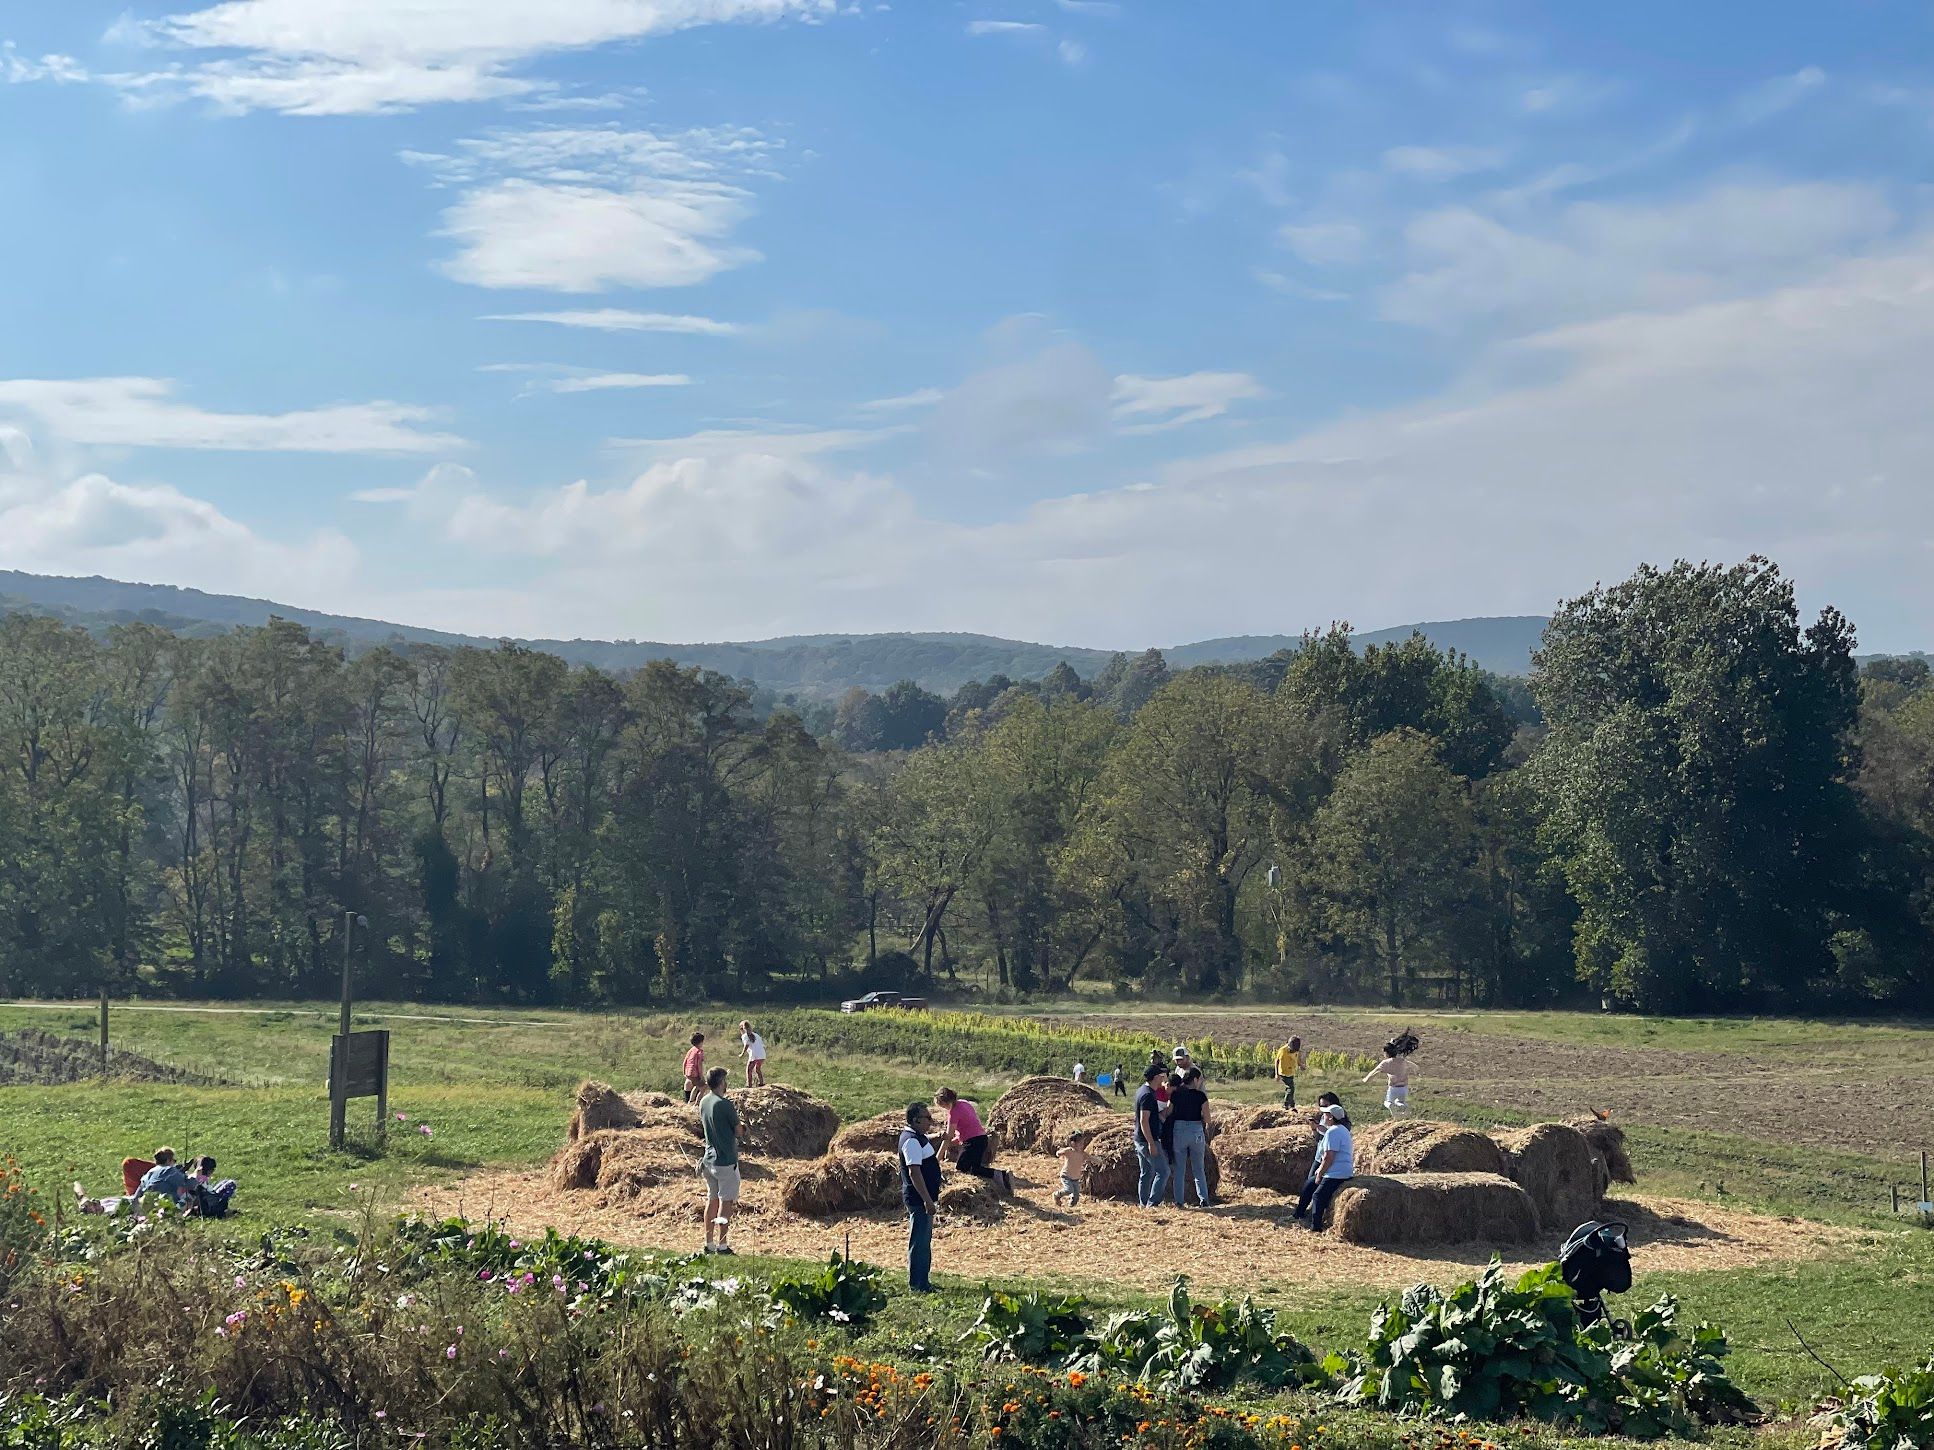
1103,323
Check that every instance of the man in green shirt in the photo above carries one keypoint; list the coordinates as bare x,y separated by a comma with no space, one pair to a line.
720,1166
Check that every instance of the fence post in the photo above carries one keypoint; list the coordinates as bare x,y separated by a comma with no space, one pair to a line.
104,1051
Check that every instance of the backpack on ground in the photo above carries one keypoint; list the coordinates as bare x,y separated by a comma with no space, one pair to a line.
1596,1260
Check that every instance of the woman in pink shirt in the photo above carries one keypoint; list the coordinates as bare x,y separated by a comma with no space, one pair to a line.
695,1069
969,1135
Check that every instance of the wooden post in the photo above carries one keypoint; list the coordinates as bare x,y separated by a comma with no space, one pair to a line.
1924,1197
1894,1188
104,1059
339,1050
382,1101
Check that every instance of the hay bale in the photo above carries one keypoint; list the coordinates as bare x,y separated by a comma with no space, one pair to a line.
600,1106
1433,1208
1607,1140
977,1198
1555,1166
576,1164
1112,1170
655,1100
1032,1115
1278,1159
1411,1146
1264,1117
674,1117
778,1121
843,1182
877,1134
639,1159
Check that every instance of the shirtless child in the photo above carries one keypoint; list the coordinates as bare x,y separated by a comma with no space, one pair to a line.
1074,1167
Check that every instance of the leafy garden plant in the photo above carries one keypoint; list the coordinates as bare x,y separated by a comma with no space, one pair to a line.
1492,1349
1889,1411
1190,1346
845,1291
1031,1327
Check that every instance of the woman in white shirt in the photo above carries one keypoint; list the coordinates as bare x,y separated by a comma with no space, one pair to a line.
752,1047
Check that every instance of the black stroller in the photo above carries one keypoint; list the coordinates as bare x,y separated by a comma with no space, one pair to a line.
1595,1261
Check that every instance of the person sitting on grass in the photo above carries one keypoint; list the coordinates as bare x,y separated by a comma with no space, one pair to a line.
162,1177
968,1137
211,1199
1073,1158
920,1192
720,1165
1335,1166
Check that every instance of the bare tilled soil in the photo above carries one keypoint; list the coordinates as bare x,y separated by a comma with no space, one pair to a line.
30,1056
1842,1099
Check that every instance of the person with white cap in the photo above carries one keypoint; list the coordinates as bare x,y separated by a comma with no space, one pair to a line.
1335,1166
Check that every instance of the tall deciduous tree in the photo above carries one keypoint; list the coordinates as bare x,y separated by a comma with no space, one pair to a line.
1696,779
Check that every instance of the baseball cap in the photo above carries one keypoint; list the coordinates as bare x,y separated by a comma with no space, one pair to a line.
1336,1111
1181,1052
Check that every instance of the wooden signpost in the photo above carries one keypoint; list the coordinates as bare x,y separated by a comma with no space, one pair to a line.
358,1061
358,1068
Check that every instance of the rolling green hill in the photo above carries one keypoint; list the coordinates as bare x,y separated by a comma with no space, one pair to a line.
822,665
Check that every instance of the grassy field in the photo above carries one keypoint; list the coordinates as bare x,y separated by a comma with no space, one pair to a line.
1705,1116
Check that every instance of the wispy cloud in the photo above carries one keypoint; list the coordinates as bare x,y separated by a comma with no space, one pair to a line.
351,57
919,398
136,412
1152,405
1005,27
1440,163
619,319
582,209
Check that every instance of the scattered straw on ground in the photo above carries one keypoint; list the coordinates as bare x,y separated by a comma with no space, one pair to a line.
1241,1244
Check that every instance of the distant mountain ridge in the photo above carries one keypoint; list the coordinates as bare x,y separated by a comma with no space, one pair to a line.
820,665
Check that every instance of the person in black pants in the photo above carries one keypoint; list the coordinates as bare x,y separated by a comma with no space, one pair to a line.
1121,1081
1335,1165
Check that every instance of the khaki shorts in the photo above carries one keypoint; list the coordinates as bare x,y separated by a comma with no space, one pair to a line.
721,1183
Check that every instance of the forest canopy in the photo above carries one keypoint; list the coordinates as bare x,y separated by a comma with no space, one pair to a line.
1697,802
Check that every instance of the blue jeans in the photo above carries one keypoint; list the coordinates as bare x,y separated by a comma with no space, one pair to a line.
919,1247
1191,1157
1315,1200
1152,1169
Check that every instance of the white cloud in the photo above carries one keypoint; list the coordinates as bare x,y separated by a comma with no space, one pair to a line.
1072,52
1323,244
759,442
1440,163
618,319
142,412
1043,397
1792,422
1148,405
601,382
334,57
1596,258
1005,27
1105,8
17,69
1782,93
93,524
919,398
583,209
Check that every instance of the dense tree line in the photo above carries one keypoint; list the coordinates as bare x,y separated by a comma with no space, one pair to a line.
1697,802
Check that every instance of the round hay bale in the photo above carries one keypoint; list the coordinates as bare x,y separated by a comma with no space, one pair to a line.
1607,1140
1555,1166
843,1182
976,1198
577,1162
1409,1146
877,1134
655,1100
676,1118
778,1121
1264,1116
638,1159
1112,1169
1030,1116
1278,1159
599,1106
1433,1208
